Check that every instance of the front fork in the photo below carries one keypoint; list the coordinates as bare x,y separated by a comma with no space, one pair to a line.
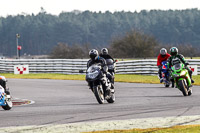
96,83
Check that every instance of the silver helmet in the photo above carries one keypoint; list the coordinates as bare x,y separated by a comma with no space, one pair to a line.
104,51
163,51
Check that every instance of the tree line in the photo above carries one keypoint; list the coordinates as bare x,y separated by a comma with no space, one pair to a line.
134,44
44,33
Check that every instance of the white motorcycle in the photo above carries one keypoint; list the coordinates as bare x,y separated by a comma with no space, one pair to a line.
5,97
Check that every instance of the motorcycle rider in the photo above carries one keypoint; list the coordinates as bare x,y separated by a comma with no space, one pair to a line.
176,58
104,54
3,84
95,58
163,56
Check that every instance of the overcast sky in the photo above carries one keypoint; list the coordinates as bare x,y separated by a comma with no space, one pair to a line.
14,7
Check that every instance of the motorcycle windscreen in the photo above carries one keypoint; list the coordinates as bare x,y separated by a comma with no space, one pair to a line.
93,71
177,66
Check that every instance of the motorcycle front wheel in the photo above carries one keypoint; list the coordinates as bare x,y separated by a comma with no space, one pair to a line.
99,94
183,86
9,104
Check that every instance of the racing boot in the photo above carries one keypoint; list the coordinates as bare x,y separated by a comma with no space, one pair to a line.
7,91
160,77
90,86
112,86
112,82
161,80
172,84
192,80
190,73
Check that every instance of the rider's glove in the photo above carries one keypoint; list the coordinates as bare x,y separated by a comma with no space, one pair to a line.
186,63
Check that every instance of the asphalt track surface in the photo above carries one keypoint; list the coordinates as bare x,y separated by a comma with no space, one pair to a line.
69,101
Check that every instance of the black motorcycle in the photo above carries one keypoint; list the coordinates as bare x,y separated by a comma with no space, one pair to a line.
111,66
100,84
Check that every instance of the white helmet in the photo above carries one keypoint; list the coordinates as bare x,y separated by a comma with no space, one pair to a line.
163,51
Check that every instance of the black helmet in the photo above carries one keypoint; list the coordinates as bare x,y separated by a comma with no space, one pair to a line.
104,51
173,51
163,51
93,54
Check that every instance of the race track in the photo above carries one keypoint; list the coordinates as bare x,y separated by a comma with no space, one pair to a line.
67,101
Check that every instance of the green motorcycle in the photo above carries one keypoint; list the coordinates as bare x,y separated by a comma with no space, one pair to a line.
182,79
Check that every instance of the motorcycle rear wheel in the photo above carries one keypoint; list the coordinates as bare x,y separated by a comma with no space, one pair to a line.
183,87
99,94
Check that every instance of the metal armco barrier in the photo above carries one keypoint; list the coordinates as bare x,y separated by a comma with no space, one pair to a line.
73,66
64,66
146,67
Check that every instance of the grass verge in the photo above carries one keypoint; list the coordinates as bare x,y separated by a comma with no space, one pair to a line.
175,129
129,78
45,76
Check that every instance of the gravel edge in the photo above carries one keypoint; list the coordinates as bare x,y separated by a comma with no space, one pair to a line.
143,123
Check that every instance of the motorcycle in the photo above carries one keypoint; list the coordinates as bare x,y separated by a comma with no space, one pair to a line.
5,97
165,74
111,69
182,78
111,66
99,84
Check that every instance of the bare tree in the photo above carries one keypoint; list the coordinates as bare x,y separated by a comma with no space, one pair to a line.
134,44
65,51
